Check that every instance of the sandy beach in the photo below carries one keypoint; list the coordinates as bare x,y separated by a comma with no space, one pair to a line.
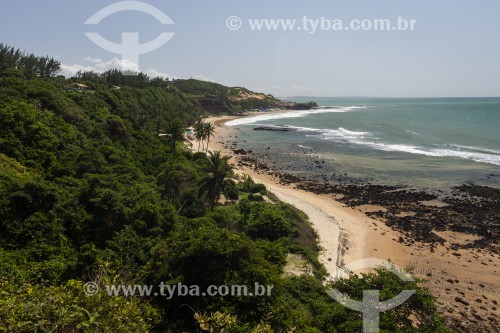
466,282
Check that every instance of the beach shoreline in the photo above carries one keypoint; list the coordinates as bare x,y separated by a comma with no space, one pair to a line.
347,234
344,233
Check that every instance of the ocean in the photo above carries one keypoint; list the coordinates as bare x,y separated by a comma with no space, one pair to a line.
428,143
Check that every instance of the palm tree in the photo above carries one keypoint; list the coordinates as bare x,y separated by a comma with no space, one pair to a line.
198,132
175,132
217,179
208,131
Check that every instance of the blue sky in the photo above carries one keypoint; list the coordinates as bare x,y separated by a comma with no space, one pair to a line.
453,51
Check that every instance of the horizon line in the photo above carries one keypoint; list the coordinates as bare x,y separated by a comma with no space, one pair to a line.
283,97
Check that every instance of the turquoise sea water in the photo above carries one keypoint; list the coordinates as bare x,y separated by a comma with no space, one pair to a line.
421,142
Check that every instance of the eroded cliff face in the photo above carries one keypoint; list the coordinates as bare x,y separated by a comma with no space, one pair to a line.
218,99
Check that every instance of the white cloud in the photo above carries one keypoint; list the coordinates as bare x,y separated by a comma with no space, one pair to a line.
155,73
100,66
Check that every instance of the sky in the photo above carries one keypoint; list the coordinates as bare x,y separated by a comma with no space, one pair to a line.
453,50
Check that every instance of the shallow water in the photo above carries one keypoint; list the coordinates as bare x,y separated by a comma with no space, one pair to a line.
423,143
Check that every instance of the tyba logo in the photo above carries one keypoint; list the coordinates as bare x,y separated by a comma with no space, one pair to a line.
129,49
371,306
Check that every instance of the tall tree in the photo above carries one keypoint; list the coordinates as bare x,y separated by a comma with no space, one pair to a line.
175,132
199,133
208,131
30,65
217,179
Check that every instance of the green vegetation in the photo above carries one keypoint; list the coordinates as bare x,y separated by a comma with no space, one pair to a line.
89,191
217,179
203,131
28,64
175,133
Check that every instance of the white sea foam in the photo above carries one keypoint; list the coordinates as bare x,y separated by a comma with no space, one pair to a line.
326,133
347,133
479,149
341,134
412,133
291,114
478,157
434,152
